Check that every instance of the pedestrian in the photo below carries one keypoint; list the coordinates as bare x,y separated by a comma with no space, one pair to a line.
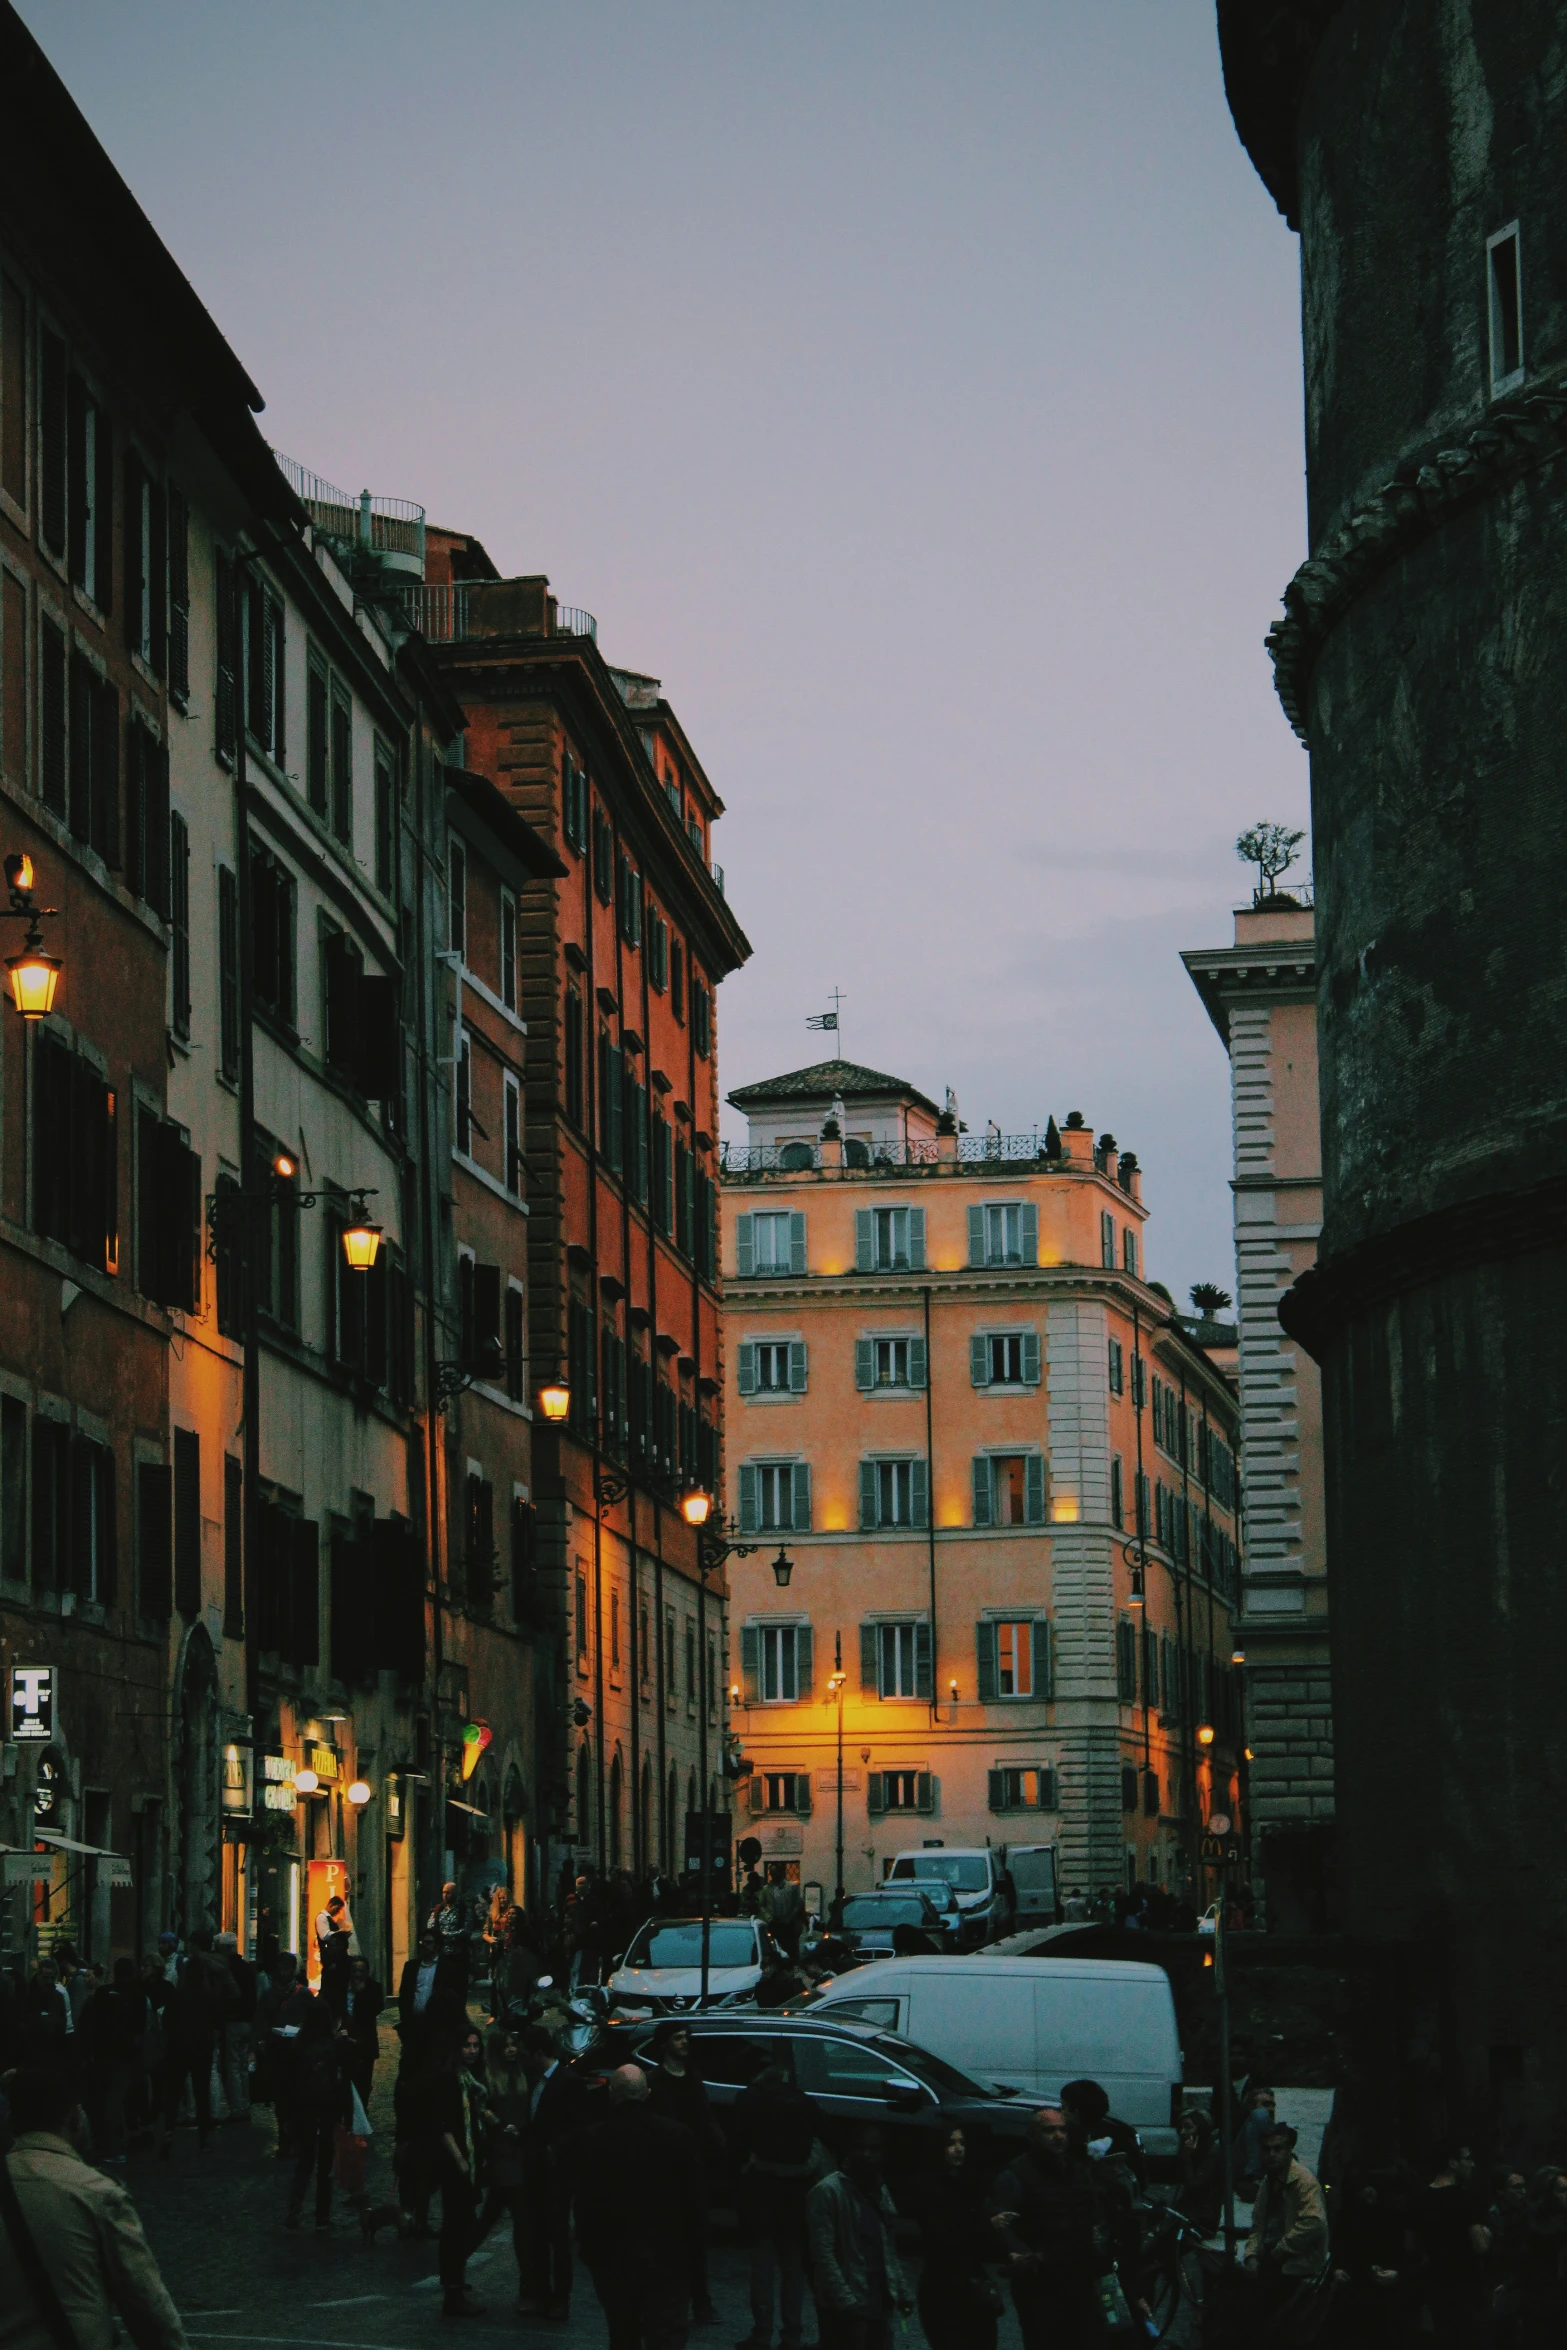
1258,2113
363,2000
1451,2219
451,1922
1507,2242
779,1985
114,2027
279,2016
851,2226
678,2093
317,2065
1542,2297
334,1944
73,2259
1201,2160
239,2026
455,2120
555,2105
496,1921
46,2027
1288,2245
639,2210
191,2018
429,1995
1087,2106
1046,2211
506,2106
583,1932
74,1979
1379,2263
777,2144
959,2303
1074,1910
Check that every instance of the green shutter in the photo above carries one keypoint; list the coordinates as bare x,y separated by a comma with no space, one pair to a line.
802,1794
1044,1660
984,1508
924,1667
865,1364
979,1359
804,1658
745,1245
797,1366
985,1651
1034,1489
868,1494
924,1792
916,1240
919,1492
748,1512
998,1790
864,1242
873,1794
1031,1358
801,1514
976,1239
1030,1223
747,1367
796,1243
870,1660
751,1663
756,1793
917,1362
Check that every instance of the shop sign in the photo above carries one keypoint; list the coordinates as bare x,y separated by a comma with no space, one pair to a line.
392,1808
48,1788
113,1870
32,1703
277,1783
239,1782
323,1760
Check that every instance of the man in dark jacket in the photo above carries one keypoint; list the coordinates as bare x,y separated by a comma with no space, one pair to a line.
555,2115
362,2004
775,2132
192,2019
430,1996
639,2211
1046,2209
677,2093
317,2066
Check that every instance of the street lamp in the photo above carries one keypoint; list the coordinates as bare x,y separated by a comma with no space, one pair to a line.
1205,1733
835,1683
696,1507
555,1400
307,1781
361,1238
34,975
358,1791
783,1568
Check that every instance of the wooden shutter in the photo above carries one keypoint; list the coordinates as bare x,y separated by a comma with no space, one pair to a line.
865,1364
304,1626
1029,1221
864,1241
997,1786
870,1660
801,1514
985,1654
155,825
751,1663
135,553
868,1494
976,1237
106,773
1031,1358
745,1243
918,1362
179,594
919,1492
746,1367
804,1663
979,1359
798,1366
924,1661
796,1243
802,1794
82,682
154,1539
52,439
226,679
187,1522
1044,1659
984,1506
342,967
380,1039
1107,1239
1034,1489
233,1549
748,1509
756,1793
76,405
924,1791
875,1797
51,717
916,1240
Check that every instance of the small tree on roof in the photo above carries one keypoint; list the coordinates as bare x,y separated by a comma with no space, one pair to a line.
1271,848
1209,1298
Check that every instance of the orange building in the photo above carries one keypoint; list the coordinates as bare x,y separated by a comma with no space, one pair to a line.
1004,1472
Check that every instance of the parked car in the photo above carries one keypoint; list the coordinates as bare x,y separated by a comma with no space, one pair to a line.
978,1879
853,2074
1033,2023
1032,1868
661,1972
879,1924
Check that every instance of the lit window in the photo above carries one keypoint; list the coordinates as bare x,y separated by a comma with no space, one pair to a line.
772,1367
1015,1660
892,1362
778,1666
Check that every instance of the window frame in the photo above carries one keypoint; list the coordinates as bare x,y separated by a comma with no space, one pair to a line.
1504,380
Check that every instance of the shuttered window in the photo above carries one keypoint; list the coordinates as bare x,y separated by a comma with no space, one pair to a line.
179,597
1023,1787
775,1497
179,923
228,974
342,769
889,1240
51,717
75,1154
187,1522
168,1213
776,1663
893,1493
770,1244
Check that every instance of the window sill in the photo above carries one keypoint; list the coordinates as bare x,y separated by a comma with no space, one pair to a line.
490,1182
775,1395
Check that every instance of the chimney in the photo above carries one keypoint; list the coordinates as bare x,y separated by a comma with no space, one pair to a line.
1077,1141
1108,1159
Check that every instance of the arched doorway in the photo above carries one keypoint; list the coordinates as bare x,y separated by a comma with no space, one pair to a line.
616,1806
197,1857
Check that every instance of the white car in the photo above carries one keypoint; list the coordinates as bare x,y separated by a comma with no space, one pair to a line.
661,1973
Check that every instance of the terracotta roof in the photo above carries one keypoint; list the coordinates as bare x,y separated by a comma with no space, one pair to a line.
824,1079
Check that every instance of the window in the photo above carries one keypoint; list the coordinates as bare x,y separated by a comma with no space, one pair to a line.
465,1094
1117,1491
386,832
1004,1234
508,950
13,679
889,1240
582,1621
1128,1786
75,1154
512,1114
575,1103
1009,1489
51,716
1107,1240
272,935
13,1489
13,390
1029,1788
779,1791
701,1018
770,1244
1125,1662
225,699
685,1210
662,1173
264,675
179,597
775,1497
893,1493
187,1521
95,760
1129,1251
677,979
895,1791
614,1630
228,974
895,1659
51,439
657,950
277,1242
168,1213
179,922
317,738
342,769
1505,284
1117,1368
772,1366
574,804
775,1663
603,856
1014,1658
889,1362
89,494
1004,1358
146,565
690,1665
515,1366
629,887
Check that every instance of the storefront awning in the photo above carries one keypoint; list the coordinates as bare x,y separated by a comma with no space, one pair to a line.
61,1843
470,1807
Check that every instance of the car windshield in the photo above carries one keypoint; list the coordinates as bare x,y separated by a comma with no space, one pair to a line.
966,1870
874,1909
945,2079
680,1945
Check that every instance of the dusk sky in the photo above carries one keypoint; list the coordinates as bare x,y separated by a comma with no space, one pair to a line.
914,390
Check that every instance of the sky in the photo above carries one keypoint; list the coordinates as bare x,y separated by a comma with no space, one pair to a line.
914,389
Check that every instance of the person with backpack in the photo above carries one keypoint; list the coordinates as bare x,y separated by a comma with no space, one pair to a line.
776,2139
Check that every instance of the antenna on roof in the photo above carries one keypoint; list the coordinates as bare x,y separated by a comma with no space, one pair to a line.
832,1020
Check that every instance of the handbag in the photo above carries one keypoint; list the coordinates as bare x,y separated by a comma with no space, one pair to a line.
32,2263
348,2160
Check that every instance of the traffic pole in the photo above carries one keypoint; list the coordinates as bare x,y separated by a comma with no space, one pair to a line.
1226,2119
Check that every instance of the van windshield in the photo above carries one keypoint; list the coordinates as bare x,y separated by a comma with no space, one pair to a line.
968,1871
681,1946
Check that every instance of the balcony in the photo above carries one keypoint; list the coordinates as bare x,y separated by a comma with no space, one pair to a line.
922,1155
464,610
391,530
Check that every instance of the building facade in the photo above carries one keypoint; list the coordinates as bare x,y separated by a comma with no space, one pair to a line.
1001,1477
619,960
1260,993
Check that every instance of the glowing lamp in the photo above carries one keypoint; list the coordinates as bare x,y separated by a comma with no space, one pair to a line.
696,1507
306,1782
359,1791
19,874
476,1736
1205,1733
1237,1656
555,1400
1247,1755
283,1167
34,978
361,1245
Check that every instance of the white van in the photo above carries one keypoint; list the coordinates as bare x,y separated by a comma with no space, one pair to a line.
1034,2024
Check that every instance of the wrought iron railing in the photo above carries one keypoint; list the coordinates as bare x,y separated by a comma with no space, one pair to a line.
386,526
919,1153
571,620
443,612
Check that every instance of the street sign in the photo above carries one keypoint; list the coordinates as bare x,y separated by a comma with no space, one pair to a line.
32,1703
1221,1852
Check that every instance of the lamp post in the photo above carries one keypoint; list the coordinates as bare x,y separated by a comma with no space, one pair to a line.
33,974
713,1546
835,1684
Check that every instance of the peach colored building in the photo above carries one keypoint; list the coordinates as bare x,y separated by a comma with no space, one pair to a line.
1261,995
956,1402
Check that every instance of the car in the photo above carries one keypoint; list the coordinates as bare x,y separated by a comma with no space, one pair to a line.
898,1919
852,2073
978,1879
661,1972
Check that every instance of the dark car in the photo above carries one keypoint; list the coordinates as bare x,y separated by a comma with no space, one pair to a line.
897,1924
852,2073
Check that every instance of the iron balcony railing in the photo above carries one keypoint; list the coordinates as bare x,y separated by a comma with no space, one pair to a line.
444,612
739,1160
389,527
